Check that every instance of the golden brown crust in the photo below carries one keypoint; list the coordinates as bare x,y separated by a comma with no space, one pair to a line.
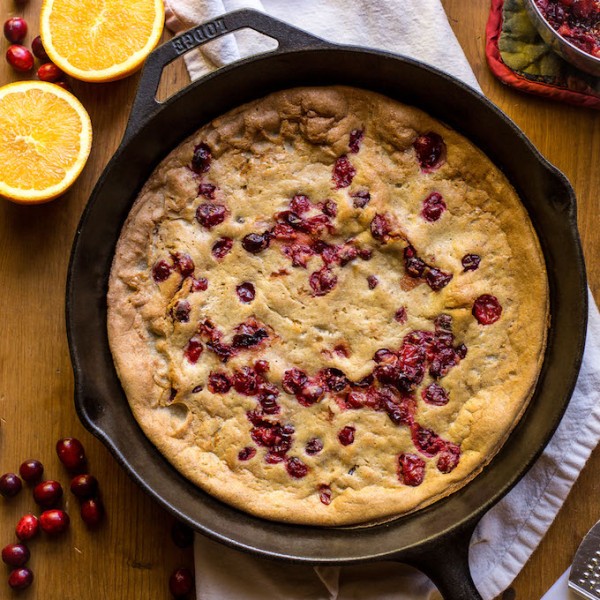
263,154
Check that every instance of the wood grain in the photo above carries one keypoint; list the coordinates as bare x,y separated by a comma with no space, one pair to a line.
131,555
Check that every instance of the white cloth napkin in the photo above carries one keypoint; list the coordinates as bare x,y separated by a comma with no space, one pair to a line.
507,534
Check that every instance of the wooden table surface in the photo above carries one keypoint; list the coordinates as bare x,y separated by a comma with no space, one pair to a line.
131,555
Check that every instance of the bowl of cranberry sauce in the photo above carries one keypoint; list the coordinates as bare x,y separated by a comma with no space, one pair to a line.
571,28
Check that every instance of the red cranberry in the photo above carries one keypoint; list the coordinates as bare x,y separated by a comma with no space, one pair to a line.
71,453
372,282
322,281
54,521
313,446
247,381
201,159
487,309
181,582
84,486
249,334
400,315
210,214
20,578
256,242
310,394
343,172
247,453
38,49
300,204
47,493
361,198
296,468
415,267
50,72
437,279
15,30
27,527
15,555
10,485
193,350
218,383
222,247
346,435
431,150
207,190
184,264
181,311
294,380
334,379
161,271
435,394
261,366
182,535
325,494
381,227
433,207
199,285
356,137
197,389
426,440
92,511
19,58
31,470
449,458
470,262
411,469
245,292
330,209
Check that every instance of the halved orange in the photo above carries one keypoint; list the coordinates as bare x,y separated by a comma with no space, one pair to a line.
100,40
45,140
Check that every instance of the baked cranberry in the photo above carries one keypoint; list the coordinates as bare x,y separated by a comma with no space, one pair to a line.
211,214
411,469
246,453
256,242
329,208
343,172
249,333
313,446
246,381
92,511
356,137
207,190
310,394
182,535
415,267
183,263
31,470
426,440
443,322
197,389
19,58
15,30
20,578
400,315
486,309
47,493
346,435
199,285
181,582
218,383
49,72
222,247
437,279
27,527
381,227
15,555
71,453
296,468
402,412
202,158
361,198
385,356
294,380
433,207
430,149
261,366
334,379
181,311
435,394
372,282
322,281
300,204
461,350
272,435
84,485
193,350
299,253
325,494
10,485
54,521
246,292
449,458
470,262
161,271
38,49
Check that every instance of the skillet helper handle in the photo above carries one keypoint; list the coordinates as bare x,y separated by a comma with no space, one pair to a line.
446,563
145,104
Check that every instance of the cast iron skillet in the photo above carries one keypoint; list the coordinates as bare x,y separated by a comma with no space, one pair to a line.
434,539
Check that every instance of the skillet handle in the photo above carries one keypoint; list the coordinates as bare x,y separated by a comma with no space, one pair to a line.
446,563
145,104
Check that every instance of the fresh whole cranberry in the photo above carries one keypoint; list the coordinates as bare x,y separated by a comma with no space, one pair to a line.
346,435
84,485
50,72
246,292
182,535
470,262
20,578
15,30
27,527
431,150
92,511
47,493
256,242
181,582
487,309
71,453
54,521
210,214
411,469
433,207
19,58
31,470
10,485
222,247
38,49
296,468
15,555
313,446
201,159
